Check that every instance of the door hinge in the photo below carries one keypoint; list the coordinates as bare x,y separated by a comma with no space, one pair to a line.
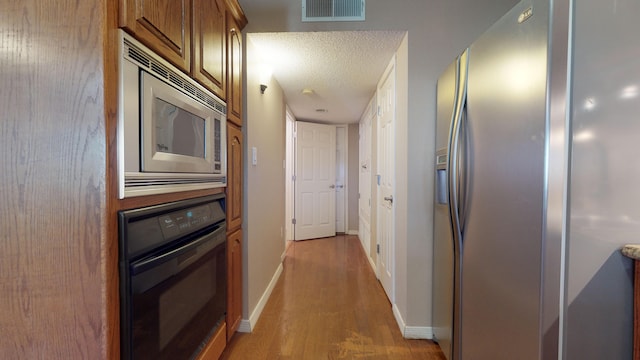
293,178
377,248
293,221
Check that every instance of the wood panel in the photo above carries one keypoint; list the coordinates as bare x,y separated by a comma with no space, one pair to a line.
234,282
234,177
162,25
209,45
215,347
142,201
110,247
52,183
234,71
328,304
236,11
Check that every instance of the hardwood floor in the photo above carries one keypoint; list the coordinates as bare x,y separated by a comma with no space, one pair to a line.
328,304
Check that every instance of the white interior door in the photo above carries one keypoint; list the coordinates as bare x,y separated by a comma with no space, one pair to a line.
315,199
364,178
386,146
341,178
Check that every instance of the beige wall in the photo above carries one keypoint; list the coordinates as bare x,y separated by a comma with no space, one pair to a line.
264,200
438,30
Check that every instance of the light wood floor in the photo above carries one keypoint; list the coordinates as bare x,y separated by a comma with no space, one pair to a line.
328,304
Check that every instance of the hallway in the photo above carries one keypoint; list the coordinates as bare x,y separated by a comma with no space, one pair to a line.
328,304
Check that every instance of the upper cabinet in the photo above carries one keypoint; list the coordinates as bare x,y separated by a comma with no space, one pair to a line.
235,22
161,24
193,35
209,45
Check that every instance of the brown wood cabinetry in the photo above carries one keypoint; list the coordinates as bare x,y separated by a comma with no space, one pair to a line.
161,24
235,21
191,34
215,347
234,223
209,45
203,38
234,70
234,177
234,284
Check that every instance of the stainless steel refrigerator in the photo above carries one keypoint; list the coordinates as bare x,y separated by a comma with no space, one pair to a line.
537,185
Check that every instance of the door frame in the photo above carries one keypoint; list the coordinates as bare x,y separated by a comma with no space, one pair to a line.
344,159
390,71
289,171
366,168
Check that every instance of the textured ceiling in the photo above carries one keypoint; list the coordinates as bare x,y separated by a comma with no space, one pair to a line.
342,69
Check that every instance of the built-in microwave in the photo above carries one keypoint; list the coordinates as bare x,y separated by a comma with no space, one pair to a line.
171,130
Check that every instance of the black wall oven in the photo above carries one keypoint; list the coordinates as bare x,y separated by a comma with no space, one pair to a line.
172,278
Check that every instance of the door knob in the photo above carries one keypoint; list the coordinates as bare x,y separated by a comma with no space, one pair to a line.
332,186
389,198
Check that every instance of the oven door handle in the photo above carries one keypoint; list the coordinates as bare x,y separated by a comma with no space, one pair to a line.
214,236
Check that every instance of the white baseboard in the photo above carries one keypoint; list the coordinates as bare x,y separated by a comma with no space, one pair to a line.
411,332
418,332
248,325
352,232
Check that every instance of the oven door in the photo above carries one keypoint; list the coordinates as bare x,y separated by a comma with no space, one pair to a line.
177,299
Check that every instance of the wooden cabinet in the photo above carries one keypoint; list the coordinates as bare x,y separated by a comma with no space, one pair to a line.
234,223
209,45
160,24
190,34
234,70
234,283
234,177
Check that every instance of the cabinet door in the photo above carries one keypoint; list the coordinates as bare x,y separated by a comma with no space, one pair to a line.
209,45
234,177
234,282
162,25
234,71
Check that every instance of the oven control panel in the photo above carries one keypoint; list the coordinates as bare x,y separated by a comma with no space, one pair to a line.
147,229
187,220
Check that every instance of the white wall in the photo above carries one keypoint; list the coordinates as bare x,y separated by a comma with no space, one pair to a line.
438,30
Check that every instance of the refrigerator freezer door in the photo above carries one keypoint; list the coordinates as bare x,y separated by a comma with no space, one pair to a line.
502,238
443,241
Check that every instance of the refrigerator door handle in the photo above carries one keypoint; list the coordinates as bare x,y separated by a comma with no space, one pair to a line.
453,156
453,192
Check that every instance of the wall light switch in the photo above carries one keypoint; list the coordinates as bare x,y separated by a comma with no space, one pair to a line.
254,156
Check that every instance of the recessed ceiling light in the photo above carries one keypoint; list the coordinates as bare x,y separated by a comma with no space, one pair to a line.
307,91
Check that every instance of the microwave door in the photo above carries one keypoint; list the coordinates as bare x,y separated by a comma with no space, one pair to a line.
175,130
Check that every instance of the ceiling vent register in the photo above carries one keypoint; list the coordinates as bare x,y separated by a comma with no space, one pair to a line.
332,10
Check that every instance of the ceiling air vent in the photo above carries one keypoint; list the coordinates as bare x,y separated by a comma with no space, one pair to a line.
332,10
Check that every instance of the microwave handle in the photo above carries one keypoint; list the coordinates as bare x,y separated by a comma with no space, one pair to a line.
149,263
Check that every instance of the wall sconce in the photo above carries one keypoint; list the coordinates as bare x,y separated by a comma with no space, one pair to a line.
263,87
